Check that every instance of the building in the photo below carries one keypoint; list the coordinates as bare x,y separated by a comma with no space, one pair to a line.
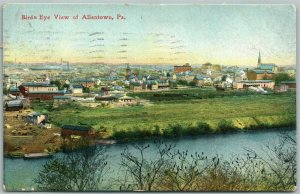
206,66
127,72
36,118
68,130
182,69
290,84
264,71
85,82
43,95
268,66
76,89
108,98
104,91
291,72
37,87
154,86
14,91
258,74
281,88
39,91
202,80
15,105
125,99
135,87
254,83
60,100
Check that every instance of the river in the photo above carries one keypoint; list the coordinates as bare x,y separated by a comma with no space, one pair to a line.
19,173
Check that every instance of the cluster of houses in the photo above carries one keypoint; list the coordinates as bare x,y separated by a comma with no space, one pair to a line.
209,75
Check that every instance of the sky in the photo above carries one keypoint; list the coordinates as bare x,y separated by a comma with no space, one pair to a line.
151,34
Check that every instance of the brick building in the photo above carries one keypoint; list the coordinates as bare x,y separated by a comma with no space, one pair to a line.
259,74
182,68
39,91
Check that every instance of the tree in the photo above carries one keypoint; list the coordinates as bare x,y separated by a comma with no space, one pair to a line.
57,83
282,77
184,171
86,90
80,170
224,77
278,163
146,173
66,86
5,91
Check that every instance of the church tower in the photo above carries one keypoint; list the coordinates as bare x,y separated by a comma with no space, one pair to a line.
259,60
128,72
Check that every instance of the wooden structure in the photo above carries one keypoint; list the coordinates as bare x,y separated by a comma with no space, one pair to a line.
68,130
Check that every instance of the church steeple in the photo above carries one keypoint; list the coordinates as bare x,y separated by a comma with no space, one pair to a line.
128,72
259,59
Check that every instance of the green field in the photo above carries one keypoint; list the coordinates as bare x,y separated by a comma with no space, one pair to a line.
242,111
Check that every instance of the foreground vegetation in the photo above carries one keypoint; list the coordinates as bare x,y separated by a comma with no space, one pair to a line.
169,169
181,117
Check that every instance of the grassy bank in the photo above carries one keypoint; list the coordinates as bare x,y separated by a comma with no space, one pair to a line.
189,94
182,117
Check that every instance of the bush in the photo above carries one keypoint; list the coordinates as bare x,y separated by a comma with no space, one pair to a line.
156,132
200,128
120,135
177,130
203,127
226,126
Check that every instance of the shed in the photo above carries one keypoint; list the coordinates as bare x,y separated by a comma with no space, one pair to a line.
14,105
290,84
59,100
36,118
68,130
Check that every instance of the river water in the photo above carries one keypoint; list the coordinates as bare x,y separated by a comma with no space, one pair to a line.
19,173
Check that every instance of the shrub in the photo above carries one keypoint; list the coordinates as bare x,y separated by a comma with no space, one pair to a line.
177,130
156,132
200,128
226,126
120,134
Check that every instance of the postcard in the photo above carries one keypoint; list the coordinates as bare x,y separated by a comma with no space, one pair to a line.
149,97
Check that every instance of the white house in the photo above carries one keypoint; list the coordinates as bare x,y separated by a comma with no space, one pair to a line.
76,89
36,118
39,87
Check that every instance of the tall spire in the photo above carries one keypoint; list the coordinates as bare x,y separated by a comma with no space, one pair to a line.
259,59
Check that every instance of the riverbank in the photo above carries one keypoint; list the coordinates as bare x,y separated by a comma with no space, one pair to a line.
20,173
241,124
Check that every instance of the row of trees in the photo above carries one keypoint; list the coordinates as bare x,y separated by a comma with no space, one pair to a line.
162,167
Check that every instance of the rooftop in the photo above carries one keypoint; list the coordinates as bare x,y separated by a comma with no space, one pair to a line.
34,114
47,92
77,128
266,66
256,81
288,82
262,71
36,84
14,103
83,80
77,86
61,97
